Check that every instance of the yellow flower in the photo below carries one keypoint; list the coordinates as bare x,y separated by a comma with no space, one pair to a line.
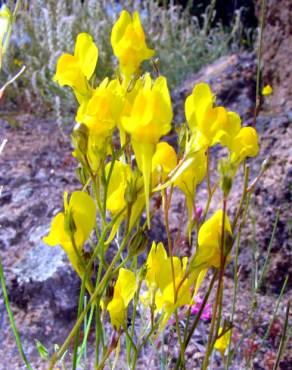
188,177
75,70
159,280
118,183
156,276
222,343
209,241
101,112
5,29
128,43
124,292
267,90
149,119
121,179
244,144
228,130
72,228
203,118
164,161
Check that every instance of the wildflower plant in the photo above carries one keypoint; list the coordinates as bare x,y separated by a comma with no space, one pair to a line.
124,161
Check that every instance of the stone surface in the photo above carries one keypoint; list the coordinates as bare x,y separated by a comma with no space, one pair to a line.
277,52
232,79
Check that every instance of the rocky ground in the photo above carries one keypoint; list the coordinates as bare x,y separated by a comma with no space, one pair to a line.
36,167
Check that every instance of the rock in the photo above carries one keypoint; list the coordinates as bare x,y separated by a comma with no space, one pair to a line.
277,52
44,273
23,194
232,79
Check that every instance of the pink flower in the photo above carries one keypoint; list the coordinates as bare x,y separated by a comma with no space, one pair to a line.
199,211
207,311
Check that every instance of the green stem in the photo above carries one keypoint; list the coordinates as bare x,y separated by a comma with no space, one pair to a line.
283,338
259,67
198,316
94,299
80,305
167,203
243,197
11,319
215,323
236,277
86,333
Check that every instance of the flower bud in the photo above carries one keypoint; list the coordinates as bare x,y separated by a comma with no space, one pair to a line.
227,172
138,243
82,174
131,189
80,140
109,293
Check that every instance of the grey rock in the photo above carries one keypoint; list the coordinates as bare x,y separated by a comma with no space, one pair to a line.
232,79
22,194
44,273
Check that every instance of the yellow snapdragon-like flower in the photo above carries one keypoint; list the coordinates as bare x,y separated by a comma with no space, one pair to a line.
222,343
101,112
72,228
5,29
128,42
124,292
228,130
159,280
267,90
163,162
209,241
203,118
120,180
157,277
191,173
244,144
149,119
75,70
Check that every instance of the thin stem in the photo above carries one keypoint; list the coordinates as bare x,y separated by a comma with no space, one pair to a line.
219,294
166,203
259,56
264,270
94,299
243,197
86,333
80,305
283,338
236,275
11,319
198,316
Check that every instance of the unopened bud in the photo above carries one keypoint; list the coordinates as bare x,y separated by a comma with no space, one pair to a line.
138,243
131,189
80,139
227,171
109,293
82,175
266,164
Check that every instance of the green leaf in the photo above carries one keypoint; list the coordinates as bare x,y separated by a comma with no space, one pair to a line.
43,352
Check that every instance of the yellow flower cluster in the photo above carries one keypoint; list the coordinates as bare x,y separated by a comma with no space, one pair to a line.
211,125
128,172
